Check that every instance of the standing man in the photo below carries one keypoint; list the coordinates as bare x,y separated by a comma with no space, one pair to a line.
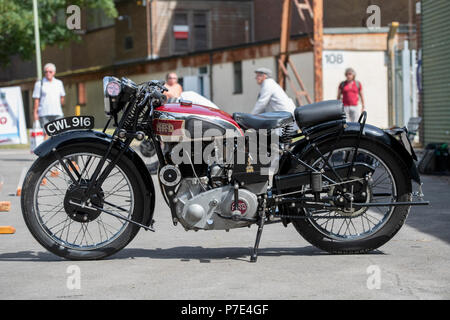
271,96
48,96
349,91
175,89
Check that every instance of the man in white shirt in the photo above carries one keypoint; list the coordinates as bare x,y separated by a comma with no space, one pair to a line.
271,97
48,96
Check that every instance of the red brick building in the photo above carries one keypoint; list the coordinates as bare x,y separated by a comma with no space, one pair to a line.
149,29
215,43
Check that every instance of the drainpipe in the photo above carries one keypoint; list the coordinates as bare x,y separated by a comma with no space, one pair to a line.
393,27
149,5
211,64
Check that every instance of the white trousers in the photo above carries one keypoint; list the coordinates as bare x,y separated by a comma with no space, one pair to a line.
352,113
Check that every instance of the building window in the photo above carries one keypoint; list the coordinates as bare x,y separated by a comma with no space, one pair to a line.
96,19
200,32
181,32
128,43
190,31
237,73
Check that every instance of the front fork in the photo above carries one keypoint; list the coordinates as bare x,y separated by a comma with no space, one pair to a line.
97,179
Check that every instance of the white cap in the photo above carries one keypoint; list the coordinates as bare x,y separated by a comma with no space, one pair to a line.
266,71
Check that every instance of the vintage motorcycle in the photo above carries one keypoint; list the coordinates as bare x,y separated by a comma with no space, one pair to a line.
345,187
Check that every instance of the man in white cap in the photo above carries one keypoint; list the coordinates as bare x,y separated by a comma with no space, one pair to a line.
48,96
271,97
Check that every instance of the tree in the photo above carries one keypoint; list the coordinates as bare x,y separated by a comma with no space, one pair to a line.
17,30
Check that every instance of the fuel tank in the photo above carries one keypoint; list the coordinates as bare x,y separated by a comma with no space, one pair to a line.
173,122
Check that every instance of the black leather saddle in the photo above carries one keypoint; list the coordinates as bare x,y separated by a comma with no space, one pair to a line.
268,120
312,114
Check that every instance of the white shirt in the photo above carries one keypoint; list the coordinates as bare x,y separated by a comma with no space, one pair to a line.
50,100
273,98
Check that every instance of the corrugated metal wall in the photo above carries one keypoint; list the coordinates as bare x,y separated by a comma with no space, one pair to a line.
436,70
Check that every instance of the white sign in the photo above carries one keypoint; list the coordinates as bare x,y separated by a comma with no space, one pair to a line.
12,119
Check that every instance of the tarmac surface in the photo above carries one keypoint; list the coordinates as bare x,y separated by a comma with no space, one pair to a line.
174,264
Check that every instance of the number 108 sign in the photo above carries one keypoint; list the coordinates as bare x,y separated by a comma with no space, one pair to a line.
334,58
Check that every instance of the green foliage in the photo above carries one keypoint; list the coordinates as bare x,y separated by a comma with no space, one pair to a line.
17,28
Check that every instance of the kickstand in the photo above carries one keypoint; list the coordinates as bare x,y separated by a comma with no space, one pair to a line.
254,256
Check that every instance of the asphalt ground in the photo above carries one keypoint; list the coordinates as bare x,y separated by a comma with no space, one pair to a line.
174,264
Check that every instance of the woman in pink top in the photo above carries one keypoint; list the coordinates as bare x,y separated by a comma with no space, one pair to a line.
349,91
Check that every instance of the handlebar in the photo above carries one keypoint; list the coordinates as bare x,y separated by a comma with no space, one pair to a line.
154,91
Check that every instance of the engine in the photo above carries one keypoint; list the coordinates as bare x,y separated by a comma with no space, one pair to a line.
200,208
202,194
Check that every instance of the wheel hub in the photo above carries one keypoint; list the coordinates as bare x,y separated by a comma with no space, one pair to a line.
74,194
357,191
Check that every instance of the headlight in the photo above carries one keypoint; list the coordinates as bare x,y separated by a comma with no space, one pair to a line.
113,89
111,92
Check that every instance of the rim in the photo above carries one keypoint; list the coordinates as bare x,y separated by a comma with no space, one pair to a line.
368,221
48,201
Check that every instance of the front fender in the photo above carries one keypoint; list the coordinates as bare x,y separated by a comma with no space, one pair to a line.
70,137
370,132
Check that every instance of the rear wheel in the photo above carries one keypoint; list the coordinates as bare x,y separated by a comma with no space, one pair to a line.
358,230
77,233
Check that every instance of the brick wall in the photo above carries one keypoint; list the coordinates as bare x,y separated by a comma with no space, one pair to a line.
226,22
337,13
137,32
267,20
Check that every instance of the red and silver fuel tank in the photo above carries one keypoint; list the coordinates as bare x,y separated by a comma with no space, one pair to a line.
177,121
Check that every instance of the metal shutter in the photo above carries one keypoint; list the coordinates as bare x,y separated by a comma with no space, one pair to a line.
436,70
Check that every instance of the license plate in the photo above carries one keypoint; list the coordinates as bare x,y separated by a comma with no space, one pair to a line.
69,123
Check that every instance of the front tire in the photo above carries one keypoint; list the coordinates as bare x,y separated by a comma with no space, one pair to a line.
311,230
46,186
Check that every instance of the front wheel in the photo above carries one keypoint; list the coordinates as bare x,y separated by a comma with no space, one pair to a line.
358,230
76,233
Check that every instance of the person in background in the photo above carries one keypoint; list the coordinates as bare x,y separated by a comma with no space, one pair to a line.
146,147
271,96
48,95
350,91
175,89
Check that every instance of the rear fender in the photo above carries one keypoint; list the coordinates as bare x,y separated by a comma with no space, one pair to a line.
406,153
89,136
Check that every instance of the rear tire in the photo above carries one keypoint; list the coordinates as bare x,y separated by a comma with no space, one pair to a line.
33,219
309,231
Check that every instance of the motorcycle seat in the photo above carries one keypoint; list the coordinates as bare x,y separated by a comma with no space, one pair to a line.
324,111
268,120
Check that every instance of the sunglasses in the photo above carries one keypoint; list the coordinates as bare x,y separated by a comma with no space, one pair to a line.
48,71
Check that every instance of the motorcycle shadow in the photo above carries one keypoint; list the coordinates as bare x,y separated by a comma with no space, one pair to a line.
206,255
182,253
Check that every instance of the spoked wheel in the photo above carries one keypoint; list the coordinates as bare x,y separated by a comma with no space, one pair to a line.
358,229
50,204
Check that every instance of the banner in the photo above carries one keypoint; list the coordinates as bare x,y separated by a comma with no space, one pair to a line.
12,118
